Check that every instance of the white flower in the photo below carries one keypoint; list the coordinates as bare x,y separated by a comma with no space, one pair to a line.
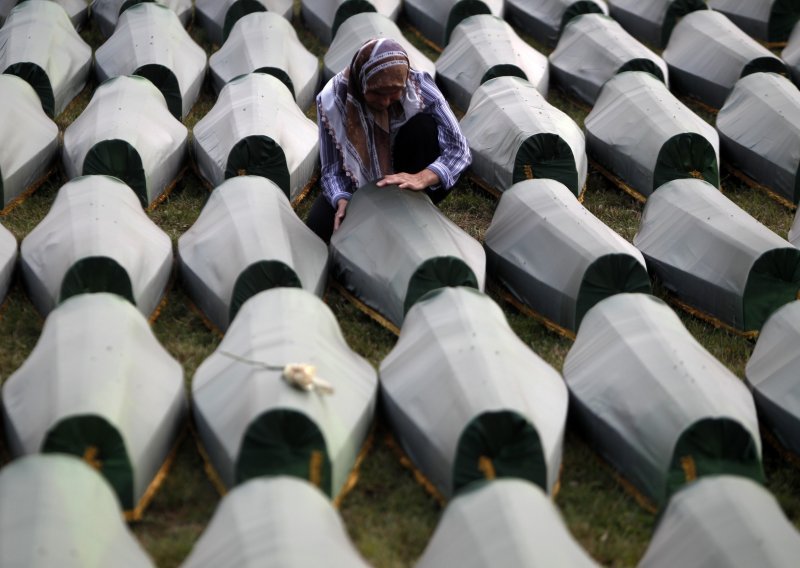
304,377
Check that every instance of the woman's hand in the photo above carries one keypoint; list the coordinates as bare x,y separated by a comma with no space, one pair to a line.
338,217
415,182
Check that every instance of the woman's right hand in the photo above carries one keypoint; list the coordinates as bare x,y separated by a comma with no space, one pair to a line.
341,205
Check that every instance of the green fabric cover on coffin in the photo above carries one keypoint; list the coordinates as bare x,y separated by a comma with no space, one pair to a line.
759,128
557,258
508,441
503,70
707,53
238,10
117,158
347,9
95,238
546,156
509,522
460,12
723,520
58,511
505,408
772,372
645,65
357,30
252,422
692,416
644,135
515,134
683,156
40,45
592,49
482,48
396,246
259,155
608,275
284,442
38,79
96,274
258,277
94,439
283,519
782,19
167,83
714,446
436,273
715,257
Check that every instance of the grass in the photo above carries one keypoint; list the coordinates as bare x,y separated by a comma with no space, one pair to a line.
389,516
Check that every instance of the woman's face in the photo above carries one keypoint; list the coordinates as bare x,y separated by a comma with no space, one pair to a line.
380,98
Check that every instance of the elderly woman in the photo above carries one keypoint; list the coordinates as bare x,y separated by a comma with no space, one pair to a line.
381,121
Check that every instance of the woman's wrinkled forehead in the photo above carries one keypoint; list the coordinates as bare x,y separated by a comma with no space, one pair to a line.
381,63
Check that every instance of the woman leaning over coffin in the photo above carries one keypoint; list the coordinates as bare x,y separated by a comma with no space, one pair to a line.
381,121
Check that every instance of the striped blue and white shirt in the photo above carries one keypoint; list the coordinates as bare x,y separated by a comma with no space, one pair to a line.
455,153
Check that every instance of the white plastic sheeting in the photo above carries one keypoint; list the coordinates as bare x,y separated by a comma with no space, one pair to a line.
151,34
44,519
545,19
257,105
794,232
217,17
703,248
388,235
283,519
707,54
639,380
541,244
510,522
96,216
632,122
723,521
30,138
772,373
97,356
129,109
320,15
357,30
39,32
592,49
436,18
503,114
457,359
8,259
759,128
651,22
247,219
754,18
106,12
266,40
486,44
275,328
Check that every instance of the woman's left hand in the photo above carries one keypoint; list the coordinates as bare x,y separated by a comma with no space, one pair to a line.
416,182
